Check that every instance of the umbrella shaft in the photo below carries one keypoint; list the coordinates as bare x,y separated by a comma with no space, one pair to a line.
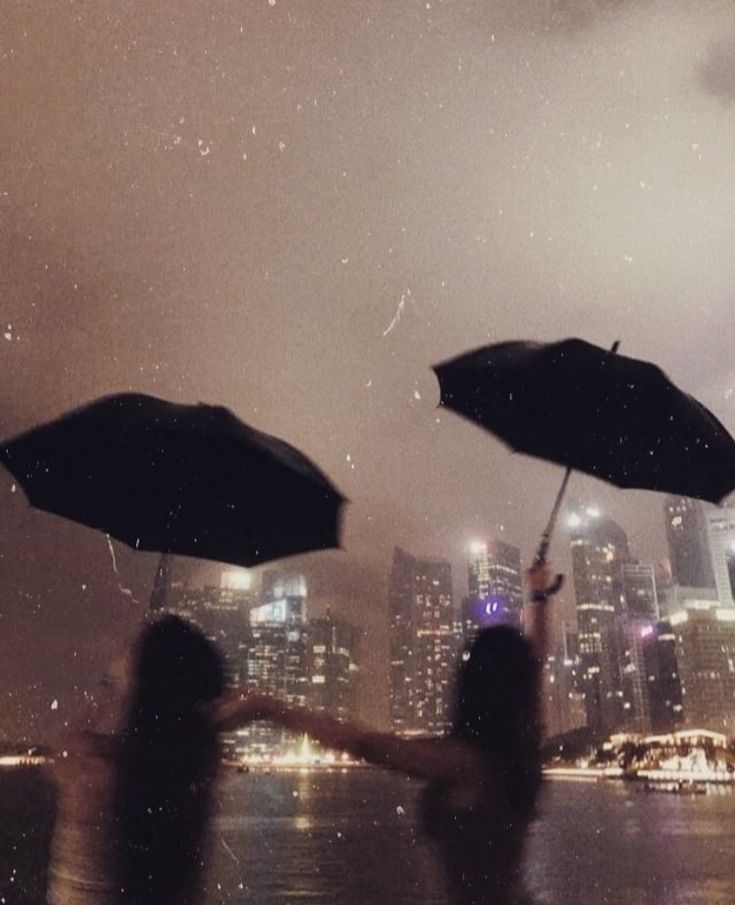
543,547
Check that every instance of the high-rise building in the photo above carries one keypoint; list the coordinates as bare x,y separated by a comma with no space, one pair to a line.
636,705
332,653
686,533
274,654
422,643
220,612
599,549
640,598
665,707
721,533
223,614
495,586
275,650
705,652
676,598
563,704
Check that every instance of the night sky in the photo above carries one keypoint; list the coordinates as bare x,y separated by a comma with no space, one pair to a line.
294,208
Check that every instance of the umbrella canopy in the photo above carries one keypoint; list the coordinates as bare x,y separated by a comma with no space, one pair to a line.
185,479
613,417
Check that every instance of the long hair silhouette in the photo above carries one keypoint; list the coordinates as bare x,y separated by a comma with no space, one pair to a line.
168,759
498,709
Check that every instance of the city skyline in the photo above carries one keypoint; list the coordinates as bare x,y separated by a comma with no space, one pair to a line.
373,703
639,658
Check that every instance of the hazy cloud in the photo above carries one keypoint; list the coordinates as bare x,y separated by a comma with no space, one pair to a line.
717,71
549,15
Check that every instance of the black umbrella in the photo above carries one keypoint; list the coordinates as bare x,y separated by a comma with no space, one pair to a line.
185,479
589,409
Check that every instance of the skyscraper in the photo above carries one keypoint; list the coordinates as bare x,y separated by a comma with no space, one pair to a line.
666,711
705,652
635,711
275,651
422,643
563,704
223,614
274,655
495,586
640,597
332,654
721,533
599,549
686,533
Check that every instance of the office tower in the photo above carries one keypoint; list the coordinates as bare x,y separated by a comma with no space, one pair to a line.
599,548
236,586
274,657
640,598
686,533
636,702
495,586
422,643
223,615
332,655
664,580
563,704
721,533
275,650
220,612
705,653
677,598
285,589
666,711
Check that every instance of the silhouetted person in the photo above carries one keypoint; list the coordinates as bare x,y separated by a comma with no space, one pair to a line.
134,795
484,777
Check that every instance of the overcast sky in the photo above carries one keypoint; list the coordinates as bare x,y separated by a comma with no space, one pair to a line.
294,208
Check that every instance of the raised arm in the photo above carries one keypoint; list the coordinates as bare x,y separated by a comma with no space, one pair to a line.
441,758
